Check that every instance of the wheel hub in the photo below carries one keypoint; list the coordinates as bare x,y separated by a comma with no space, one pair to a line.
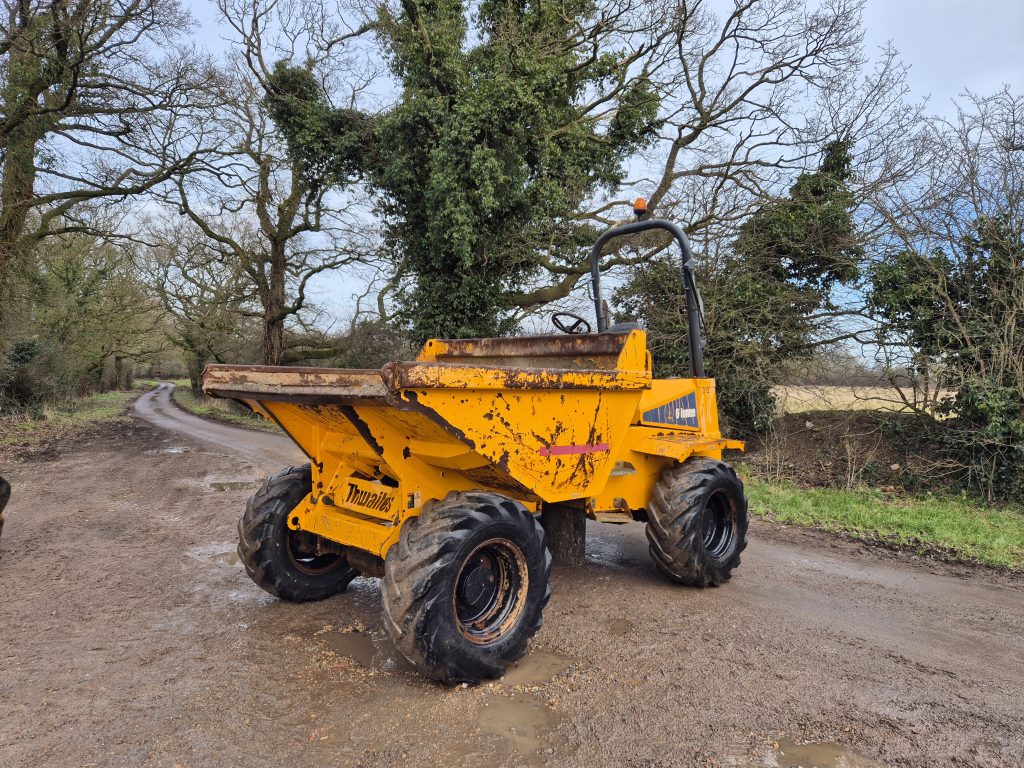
490,591
718,525
479,584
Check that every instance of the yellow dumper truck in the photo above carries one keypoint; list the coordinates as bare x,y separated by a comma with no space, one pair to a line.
448,476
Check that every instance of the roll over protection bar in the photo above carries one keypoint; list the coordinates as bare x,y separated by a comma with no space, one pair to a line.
693,318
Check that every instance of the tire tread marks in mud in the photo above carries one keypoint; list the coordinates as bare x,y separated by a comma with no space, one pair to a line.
263,542
675,518
419,581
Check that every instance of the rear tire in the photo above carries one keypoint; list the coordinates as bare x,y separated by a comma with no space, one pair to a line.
280,560
466,585
697,522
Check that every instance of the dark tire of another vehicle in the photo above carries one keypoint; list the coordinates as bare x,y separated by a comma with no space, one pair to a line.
5,496
466,585
286,563
697,522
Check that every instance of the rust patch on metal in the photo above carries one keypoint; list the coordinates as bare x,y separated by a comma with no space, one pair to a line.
413,400
298,385
362,428
575,346
497,477
398,376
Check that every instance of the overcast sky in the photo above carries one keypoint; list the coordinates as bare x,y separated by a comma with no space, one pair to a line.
950,46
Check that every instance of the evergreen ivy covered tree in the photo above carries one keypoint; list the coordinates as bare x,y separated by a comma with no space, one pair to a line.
515,121
760,295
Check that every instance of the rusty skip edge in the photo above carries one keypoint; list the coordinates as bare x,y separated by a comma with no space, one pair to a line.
292,384
338,384
582,345
399,376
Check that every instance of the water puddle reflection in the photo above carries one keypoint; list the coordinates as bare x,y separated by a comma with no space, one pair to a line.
228,558
535,668
523,723
620,628
824,754
233,485
372,650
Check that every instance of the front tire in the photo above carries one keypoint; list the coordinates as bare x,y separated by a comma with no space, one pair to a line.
284,562
466,585
697,522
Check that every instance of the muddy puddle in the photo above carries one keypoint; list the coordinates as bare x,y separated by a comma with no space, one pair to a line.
170,449
233,485
535,668
613,551
524,723
222,553
620,627
822,754
228,558
372,650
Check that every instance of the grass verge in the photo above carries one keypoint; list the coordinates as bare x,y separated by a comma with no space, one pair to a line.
63,420
948,527
217,409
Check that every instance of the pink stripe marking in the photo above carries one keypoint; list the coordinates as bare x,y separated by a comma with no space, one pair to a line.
568,450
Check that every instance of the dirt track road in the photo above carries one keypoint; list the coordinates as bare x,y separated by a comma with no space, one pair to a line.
130,636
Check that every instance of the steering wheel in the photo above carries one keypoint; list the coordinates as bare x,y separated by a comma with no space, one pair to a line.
570,322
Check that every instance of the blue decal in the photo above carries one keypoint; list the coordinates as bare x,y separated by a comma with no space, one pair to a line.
679,413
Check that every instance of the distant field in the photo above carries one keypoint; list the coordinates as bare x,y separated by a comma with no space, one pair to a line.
800,398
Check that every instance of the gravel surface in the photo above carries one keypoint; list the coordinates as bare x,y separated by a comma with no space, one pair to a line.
130,636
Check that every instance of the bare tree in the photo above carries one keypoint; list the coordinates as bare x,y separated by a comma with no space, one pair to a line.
208,299
750,98
948,288
82,319
259,217
90,112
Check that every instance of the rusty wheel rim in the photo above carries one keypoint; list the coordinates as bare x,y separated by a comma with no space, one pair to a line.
490,591
301,548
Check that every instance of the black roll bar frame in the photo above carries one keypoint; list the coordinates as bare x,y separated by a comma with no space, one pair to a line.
693,318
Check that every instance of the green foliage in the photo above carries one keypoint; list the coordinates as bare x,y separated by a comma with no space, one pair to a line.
77,323
904,295
808,239
334,142
984,431
957,309
784,264
491,136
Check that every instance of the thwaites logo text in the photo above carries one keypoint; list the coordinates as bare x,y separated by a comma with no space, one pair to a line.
681,412
368,497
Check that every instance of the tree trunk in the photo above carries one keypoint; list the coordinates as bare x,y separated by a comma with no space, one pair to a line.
19,176
118,372
23,133
195,371
273,339
274,309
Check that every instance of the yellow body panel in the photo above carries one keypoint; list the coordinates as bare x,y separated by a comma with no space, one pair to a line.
539,419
